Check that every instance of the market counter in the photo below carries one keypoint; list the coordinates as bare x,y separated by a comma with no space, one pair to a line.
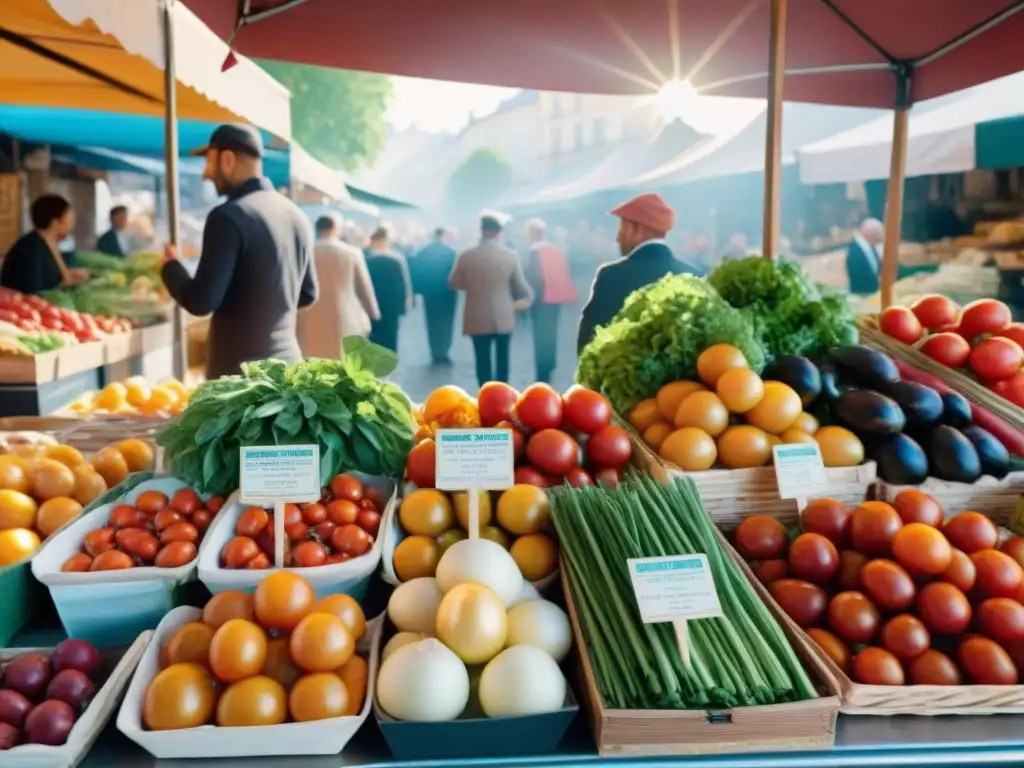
878,742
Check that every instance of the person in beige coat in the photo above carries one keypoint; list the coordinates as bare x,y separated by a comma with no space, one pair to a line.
347,303
492,278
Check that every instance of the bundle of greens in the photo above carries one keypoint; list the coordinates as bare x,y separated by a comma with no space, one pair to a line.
791,315
130,267
657,336
109,296
359,422
737,659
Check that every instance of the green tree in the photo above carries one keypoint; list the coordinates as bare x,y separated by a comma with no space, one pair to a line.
337,115
482,177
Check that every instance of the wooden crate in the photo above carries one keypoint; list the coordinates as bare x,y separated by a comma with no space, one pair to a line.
51,366
995,499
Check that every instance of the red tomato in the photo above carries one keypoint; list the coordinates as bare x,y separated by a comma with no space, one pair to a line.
833,647
851,563
984,316
578,477
947,348
369,521
1014,547
761,537
1011,389
888,585
309,554
943,608
934,668
608,477
496,402
1002,619
961,572
905,637
828,517
527,475
609,447
351,540
314,513
551,450
421,464
347,487
876,666
936,311
539,407
770,571
813,558
586,410
996,359
917,507
985,662
342,512
518,440
998,573
971,532
853,617
873,527
802,601
1013,332
901,324
922,550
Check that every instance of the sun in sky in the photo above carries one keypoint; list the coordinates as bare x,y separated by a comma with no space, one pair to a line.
440,105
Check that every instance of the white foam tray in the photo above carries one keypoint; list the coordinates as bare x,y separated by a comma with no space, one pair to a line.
92,722
320,737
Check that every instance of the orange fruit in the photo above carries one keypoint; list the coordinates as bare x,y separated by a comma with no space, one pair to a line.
318,697
805,422
523,509
279,665
672,394
137,391
354,675
644,414
17,510
16,544
716,360
426,512
175,386
181,696
348,610
14,474
55,513
740,389
228,605
138,454
691,449
282,600
162,399
778,410
89,484
65,454
111,465
255,701
237,650
112,397
190,644
839,447
51,479
536,555
655,434
321,643
416,556
444,400
705,411
794,435
744,446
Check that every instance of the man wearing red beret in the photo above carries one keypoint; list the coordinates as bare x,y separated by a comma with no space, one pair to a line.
646,258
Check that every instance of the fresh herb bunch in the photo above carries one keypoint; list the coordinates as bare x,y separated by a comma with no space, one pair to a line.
657,336
791,315
360,422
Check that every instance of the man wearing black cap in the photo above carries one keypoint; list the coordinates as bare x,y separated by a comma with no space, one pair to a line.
256,269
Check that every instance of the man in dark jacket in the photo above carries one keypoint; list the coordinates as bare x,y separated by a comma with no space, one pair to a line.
433,264
645,220
256,268
392,286
114,242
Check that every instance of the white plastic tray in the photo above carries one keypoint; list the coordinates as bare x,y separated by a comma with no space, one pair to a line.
350,577
320,737
92,722
110,607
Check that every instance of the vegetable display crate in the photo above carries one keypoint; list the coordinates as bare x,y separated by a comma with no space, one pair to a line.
318,737
885,700
120,663
22,593
797,726
42,399
996,499
51,366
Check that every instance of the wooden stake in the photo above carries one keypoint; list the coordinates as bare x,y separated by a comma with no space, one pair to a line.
773,135
279,534
473,499
682,630
894,203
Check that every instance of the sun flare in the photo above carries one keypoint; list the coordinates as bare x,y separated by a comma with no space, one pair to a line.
677,99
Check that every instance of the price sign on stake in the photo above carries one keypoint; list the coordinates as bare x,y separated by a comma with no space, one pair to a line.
278,475
676,588
474,460
800,472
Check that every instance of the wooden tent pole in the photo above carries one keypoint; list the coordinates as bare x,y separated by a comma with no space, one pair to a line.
773,135
894,191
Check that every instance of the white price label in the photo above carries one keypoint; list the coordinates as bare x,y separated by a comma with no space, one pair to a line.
800,471
285,473
673,588
474,458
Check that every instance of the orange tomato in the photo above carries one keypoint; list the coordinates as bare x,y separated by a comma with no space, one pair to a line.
282,600
279,665
14,474
65,454
348,610
321,643
89,484
111,560
151,502
309,554
186,501
55,513
16,544
252,522
17,510
225,606
79,563
51,479
183,531
239,551
111,465
318,697
189,644
254,701
125,516
138,543
237,650
354,674
138,454
181,696
176,554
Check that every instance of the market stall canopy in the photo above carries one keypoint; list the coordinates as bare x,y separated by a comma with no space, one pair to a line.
307,170
944,136
837,51
108,55
100,159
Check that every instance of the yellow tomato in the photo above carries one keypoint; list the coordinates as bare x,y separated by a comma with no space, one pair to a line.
425,512
705,411
691,449
716,360
523,509
744,446
645,414
17,510
16,544
778,410
536,555
672,394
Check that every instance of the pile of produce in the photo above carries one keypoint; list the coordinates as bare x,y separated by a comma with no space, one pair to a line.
128,288
124,270
275,656
31,324
360,422
475,641
339,527
740,658
45,486
135,396
519,522
156,531
894,595
732,417
557,438
981,339
42,696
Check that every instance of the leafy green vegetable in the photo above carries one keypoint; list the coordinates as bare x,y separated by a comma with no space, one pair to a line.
791,315
657,336
38,343
359,422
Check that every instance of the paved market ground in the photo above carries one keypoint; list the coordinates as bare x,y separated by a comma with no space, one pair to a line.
418,377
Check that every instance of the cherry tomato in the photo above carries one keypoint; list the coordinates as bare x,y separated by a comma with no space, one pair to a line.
124,516
239,551
586,410
915,506
851,563
888,585
813,558
833,647
933,668
1001,619
539,407
985,662
995,359
1014,547
961,572
186,501
182,531
922,549
201,520
351,540
998,573
873,527
770,571
949,349
111,560
936,311
251,522
261,562
761,537
369,504
420,466
324,531
309,554
151,502
347,487
314,514
1013,332
138,543
901,324
214,504
905,637
175,554
230,604
609,447
552,450
337,557
238,650
77,563
853,617
876,666
342,512
295,527
527,475
828,517
607,477
984,316
971,532
802,601
166,517
578,477
369,521
943,608
99,541
1011,389
282,600
518,439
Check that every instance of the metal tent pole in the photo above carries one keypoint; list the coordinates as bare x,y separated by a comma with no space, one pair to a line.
773,135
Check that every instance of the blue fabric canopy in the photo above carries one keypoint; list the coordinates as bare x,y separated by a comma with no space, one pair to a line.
100,159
